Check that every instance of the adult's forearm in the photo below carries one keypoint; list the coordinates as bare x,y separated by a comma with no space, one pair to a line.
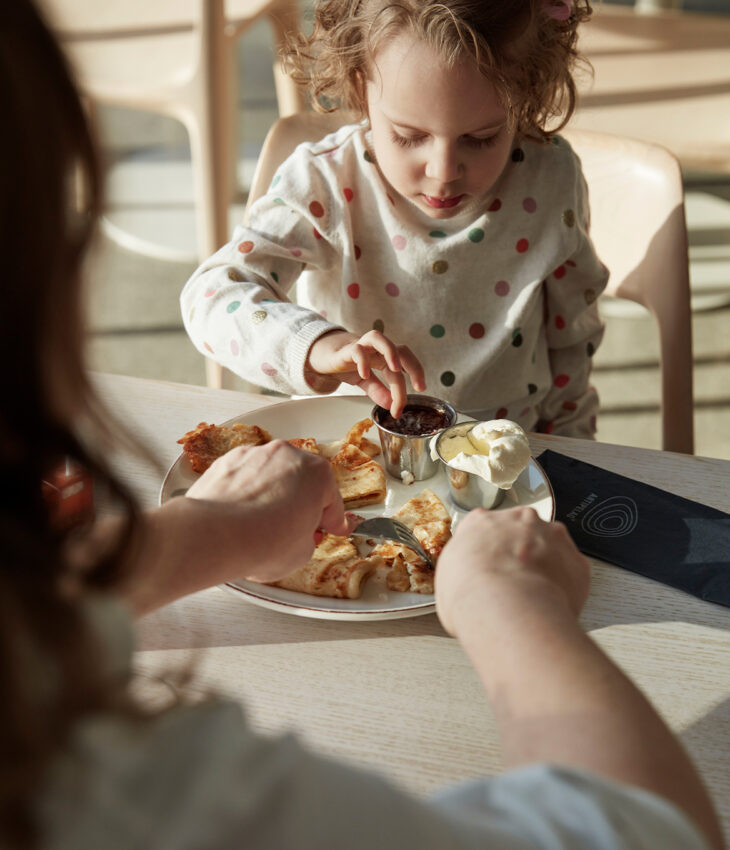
558,698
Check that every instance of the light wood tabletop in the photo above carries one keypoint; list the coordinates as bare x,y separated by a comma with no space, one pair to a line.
399,695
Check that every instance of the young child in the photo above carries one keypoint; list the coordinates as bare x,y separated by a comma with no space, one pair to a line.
449,220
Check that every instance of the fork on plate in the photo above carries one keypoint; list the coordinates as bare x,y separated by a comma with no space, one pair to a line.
392,529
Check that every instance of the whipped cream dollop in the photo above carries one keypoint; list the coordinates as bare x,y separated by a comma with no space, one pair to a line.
497,450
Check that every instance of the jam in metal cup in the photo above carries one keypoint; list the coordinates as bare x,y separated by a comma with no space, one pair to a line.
406,441
468,490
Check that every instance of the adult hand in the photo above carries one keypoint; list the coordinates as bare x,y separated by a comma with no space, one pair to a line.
270,501
499,556
342,356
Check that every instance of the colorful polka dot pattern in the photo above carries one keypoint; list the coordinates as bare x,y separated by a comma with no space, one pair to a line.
439,266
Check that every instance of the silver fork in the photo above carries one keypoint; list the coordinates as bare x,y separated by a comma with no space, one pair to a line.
392,529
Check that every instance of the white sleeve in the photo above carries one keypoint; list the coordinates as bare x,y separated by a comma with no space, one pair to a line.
574,331
236,306
199,777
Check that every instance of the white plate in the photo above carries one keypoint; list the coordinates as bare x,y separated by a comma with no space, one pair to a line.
329,418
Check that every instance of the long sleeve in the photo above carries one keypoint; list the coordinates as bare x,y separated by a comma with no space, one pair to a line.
574,331
236,307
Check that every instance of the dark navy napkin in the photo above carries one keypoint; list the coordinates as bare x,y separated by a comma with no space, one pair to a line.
644,529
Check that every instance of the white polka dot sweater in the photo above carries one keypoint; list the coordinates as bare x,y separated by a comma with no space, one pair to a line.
498,302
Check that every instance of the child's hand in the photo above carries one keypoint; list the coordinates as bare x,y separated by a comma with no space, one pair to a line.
341,356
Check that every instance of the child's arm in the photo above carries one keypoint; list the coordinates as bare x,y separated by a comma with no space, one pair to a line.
236,306
574,331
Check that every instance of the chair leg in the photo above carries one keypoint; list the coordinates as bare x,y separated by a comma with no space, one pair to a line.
285,20
213,374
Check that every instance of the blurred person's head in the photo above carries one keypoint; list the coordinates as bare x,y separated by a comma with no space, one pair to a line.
50,197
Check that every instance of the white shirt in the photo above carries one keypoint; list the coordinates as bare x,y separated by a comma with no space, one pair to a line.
198,777
498,302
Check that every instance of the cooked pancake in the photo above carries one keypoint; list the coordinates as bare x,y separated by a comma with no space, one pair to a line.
307,444
335,569
429,520
206,443
360,479
356,438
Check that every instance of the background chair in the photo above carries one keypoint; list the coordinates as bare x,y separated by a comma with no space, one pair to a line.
639,230
638,226
175,57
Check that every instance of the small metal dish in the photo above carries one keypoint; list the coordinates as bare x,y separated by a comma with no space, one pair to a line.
468,490
407,456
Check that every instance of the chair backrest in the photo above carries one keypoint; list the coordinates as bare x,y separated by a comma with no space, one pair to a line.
638,227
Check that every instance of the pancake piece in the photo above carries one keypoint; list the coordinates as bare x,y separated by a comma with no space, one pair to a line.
360,479
355,437
207,443
335,569
307,444
429,520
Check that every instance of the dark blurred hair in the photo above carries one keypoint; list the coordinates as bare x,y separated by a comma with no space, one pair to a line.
519,45
50,197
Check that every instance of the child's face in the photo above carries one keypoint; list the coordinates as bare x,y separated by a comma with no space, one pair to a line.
440,135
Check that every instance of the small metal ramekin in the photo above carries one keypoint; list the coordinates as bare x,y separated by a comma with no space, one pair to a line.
409,453
467,489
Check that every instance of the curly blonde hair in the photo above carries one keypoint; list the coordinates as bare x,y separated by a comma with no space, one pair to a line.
525,48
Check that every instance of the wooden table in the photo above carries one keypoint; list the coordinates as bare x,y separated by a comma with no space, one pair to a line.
399,695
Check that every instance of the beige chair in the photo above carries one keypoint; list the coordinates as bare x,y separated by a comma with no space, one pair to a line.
176,57
638,226
639,230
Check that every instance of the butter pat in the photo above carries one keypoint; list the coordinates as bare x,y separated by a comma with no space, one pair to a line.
497,450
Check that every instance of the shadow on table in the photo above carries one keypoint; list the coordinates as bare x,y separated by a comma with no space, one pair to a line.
222,619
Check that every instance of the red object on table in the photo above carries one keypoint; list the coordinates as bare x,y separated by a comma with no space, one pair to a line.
69,492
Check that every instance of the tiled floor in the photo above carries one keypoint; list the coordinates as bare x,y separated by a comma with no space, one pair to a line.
136,327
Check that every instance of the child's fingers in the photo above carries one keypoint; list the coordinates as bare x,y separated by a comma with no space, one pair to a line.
398,392
385,347
361,358
389,391
412,365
